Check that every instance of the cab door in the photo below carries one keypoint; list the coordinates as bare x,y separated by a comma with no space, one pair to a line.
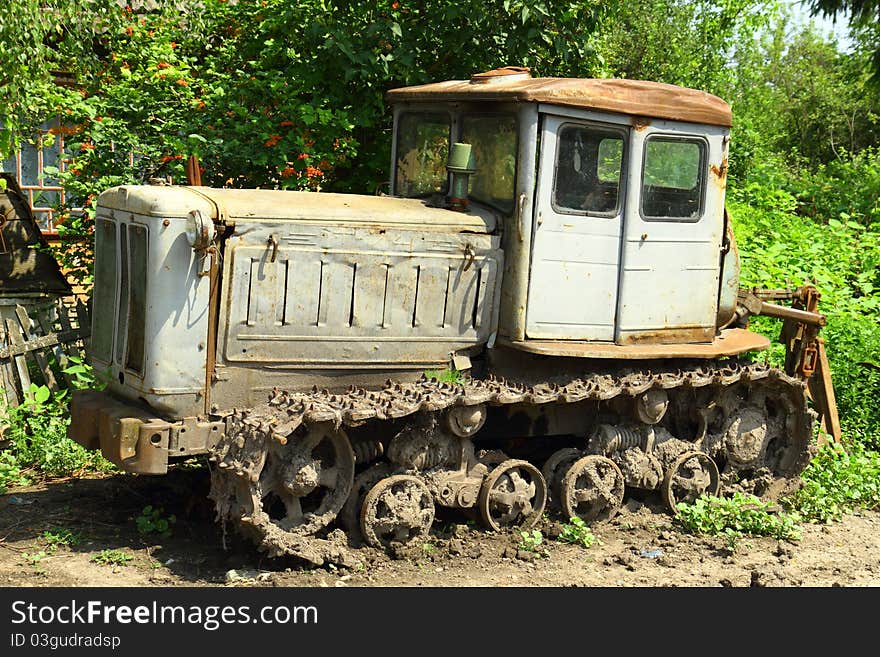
673,232
573,285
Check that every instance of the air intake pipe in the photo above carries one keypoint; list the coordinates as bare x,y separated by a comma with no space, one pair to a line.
461,165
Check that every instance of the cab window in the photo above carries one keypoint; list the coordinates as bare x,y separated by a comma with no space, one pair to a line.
422,149
494,142
673,179
589,160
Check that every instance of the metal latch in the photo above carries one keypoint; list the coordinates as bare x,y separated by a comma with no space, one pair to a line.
469,256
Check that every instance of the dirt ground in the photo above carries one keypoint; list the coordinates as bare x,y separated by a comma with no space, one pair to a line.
642,547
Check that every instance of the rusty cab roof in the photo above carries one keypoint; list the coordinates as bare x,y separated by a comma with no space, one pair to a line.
631,97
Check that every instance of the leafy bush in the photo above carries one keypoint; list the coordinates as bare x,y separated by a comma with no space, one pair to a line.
10,473
837,481
57,537
38,441
736,516
848,186
531,541
841,257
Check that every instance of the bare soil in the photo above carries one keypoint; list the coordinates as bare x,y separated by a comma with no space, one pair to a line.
642,546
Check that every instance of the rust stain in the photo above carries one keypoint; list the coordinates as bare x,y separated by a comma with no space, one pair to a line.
719,172
670,336
730,343
640,123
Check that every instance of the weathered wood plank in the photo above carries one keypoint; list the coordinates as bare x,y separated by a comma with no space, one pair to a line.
45,324
27,325
7,372
15,339
42,342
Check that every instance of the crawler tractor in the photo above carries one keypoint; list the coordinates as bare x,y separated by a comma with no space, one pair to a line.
543,314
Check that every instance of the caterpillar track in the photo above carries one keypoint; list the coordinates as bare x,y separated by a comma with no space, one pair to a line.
311,473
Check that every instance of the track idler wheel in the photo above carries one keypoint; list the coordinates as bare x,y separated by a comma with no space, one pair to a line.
592,489
398,510
691,475
514,494
301,485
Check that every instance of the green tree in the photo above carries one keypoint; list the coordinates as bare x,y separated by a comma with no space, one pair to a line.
863,16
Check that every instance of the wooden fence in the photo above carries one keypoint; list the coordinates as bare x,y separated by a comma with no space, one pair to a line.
37,339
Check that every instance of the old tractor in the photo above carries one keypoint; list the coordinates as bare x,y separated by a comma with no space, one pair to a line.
544,313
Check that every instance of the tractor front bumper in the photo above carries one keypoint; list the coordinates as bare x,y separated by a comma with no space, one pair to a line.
128,436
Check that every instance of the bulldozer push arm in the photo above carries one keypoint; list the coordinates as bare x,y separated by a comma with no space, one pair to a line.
805,355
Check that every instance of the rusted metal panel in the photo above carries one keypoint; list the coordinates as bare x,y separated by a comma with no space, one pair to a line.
351,298
629,97
669,336
730,342
821,390
128,436
133,438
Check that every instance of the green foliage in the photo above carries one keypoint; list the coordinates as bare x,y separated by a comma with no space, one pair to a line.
33,558
577,532
449,375
38,440
780,247
39,38
838,481
531,541
83,375
686,42
63,537
737,516
112,558
10,472
151,521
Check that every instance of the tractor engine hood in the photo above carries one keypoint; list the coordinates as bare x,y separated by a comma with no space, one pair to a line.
234,206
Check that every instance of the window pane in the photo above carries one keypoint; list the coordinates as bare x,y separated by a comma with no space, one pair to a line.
105,290
422,148
588,165
673,178
493,139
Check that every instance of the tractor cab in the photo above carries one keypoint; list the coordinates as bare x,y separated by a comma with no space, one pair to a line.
611,193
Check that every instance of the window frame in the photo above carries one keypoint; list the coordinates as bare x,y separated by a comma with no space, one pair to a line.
703,145
464,113
450,113
621,186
